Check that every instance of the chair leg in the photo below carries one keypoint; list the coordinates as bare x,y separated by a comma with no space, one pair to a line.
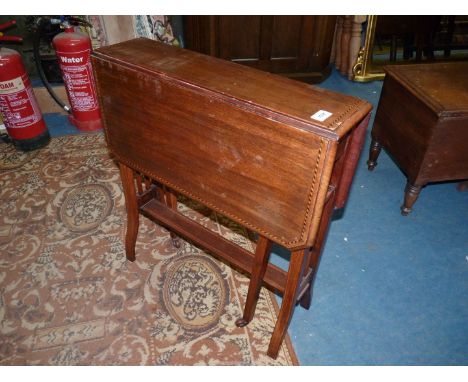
262,254
297,265
131,204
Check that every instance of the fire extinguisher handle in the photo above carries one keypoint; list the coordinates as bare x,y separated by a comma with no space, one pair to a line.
7,24
10,38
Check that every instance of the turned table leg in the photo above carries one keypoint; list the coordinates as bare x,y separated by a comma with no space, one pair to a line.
411,194
262,254
131,205
297,265
374,152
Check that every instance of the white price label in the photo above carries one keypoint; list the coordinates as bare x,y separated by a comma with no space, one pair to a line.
321,115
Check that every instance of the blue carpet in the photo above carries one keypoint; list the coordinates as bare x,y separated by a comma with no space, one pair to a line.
390,290
58,124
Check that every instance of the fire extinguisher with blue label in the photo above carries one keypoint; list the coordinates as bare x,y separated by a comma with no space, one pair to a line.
73,50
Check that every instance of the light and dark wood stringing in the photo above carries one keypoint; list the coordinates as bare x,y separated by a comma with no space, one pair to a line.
239,141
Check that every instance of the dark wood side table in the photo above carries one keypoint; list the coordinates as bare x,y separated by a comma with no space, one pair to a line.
422,122
275,155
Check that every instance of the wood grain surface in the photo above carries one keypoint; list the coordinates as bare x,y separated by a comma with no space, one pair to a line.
207,128
271,95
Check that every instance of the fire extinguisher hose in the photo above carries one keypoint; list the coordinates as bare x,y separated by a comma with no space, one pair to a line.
36,43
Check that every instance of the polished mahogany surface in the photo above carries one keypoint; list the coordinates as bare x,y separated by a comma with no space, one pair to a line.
234,138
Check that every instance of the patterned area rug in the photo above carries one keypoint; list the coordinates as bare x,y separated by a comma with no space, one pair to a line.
68,295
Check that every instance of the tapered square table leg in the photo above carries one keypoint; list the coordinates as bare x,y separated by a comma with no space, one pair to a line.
171,202
262,254
297,264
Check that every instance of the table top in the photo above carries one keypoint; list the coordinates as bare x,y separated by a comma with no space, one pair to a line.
231,137
442,86
273,93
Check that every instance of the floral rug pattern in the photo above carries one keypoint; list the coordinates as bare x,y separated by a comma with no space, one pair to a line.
68,296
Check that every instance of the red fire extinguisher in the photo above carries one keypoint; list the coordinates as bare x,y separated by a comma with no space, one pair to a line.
73,50
18,105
